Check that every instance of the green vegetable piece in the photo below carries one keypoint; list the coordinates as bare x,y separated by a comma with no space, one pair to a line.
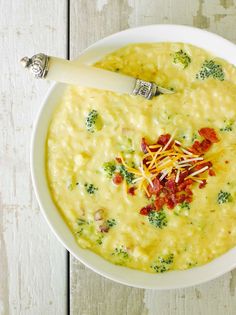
185,205
182,209
192,264
163,263
228,126
81,221
195,136
129,177
80,232
111,222
120,252
210,69
109,168
100,239
90,188
224,197
158,219
182,58
93,121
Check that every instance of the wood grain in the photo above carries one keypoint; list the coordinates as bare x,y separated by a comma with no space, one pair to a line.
91,294
32,262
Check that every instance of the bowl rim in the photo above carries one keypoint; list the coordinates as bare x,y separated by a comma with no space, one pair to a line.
159,283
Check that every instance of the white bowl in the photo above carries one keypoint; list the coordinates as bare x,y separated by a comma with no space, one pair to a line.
170,280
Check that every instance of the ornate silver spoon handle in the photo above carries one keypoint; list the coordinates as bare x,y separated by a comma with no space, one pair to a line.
61,70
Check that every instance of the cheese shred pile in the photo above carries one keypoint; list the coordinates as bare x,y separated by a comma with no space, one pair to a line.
168,161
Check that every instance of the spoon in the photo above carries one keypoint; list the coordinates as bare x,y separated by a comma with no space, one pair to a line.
62,70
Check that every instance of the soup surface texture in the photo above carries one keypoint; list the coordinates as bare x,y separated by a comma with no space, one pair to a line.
100,147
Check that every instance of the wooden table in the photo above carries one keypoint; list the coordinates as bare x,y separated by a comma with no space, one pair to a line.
37,275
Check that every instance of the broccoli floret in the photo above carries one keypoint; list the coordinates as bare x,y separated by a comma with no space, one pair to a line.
90,188
163,263
210,69
100,239
81,222
185,205
109,168
195,136
93,122
120,252
129,177
224,197
182,58
228,126
182,209
111,222
158,218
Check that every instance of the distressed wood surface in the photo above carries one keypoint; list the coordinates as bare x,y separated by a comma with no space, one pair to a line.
91,294
32,262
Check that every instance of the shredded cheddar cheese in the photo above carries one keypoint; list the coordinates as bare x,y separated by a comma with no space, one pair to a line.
166,161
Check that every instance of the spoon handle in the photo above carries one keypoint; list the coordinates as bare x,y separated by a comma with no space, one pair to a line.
61,70
87,76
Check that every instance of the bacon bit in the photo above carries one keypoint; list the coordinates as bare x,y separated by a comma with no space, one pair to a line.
153,190
145,162
184,185
117,179
163,139
144,145
182,176
188,191
205,145
200,147
196,147
170,203
118,160
211,172
131,190
103,228
159,203
189,199
168,170
209,134
146,210
180,198
171,185
203,184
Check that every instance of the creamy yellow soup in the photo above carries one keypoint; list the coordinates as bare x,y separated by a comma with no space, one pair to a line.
105,218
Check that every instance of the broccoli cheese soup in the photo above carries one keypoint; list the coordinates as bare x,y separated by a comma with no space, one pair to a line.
150,184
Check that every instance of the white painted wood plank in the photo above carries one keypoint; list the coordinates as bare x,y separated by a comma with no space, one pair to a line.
90,293
32,262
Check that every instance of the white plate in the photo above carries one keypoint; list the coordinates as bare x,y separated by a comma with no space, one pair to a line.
170,280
